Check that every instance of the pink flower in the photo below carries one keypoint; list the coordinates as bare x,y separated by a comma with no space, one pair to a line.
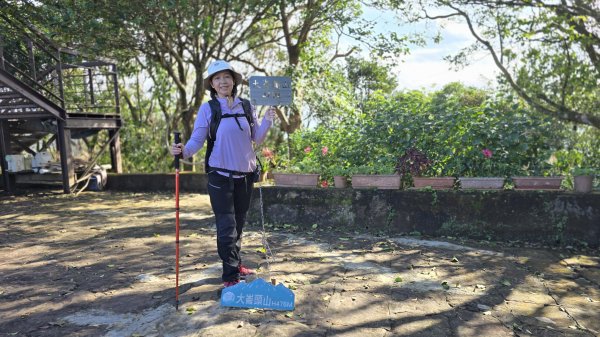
267,153
324,150
324,184
487,153
307,149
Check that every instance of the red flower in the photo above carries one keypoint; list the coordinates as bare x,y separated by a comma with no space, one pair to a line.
267,153
324,150
487,153
324,184
307,149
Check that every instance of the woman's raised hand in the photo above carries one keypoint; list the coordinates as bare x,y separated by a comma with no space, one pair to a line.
271,113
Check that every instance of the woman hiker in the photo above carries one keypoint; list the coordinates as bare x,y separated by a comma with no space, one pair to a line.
231,165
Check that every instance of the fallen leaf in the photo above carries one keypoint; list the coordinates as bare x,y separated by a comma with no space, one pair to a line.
545,320
506,283
398,279
483,307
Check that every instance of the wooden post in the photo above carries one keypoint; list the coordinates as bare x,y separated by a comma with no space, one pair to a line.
115,151
115,145
66,159
4,150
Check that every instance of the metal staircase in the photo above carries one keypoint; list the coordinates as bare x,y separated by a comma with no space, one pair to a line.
50,94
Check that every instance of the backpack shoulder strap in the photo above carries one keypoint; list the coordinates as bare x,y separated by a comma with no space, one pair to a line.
215,120
248,112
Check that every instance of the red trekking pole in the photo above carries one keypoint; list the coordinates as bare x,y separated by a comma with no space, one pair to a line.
177,141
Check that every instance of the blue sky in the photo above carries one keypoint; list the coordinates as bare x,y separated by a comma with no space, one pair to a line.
425,67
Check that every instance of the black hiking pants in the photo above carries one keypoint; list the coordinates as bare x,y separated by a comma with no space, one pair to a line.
230,201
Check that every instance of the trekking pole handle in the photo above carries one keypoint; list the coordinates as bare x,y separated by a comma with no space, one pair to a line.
177,135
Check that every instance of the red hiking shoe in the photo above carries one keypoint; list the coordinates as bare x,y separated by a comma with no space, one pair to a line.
245,271
230,283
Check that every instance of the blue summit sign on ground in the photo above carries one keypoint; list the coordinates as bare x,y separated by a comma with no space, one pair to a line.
258,294
270,90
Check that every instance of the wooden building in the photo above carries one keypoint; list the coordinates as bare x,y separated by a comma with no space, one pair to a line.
52,95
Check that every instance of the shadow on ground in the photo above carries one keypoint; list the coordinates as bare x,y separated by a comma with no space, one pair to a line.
102,264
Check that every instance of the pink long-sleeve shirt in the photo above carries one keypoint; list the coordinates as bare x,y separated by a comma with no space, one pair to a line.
233,147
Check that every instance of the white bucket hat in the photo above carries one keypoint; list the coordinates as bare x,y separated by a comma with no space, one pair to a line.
217,66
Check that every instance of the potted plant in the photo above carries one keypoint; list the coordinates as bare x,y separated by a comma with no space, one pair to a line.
295,176
371,177
485,182
303,172
539,176
583,179
340,176
413,164
537,182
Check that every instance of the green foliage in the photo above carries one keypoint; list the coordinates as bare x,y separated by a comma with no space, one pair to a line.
368,76
146,149
452,127
584,171
581,150
547,52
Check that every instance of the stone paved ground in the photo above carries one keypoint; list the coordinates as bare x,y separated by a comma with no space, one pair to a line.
101,264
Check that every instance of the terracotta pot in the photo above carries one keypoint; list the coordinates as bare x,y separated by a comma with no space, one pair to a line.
481,183
381,181
537,183
583,184
437,183
340,181
296,179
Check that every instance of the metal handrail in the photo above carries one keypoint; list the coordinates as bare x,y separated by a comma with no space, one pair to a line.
87,90
33,83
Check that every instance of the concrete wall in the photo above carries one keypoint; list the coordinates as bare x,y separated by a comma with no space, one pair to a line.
159,182
553,217
534,216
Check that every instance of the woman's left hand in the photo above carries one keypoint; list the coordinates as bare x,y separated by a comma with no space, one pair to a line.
271,113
